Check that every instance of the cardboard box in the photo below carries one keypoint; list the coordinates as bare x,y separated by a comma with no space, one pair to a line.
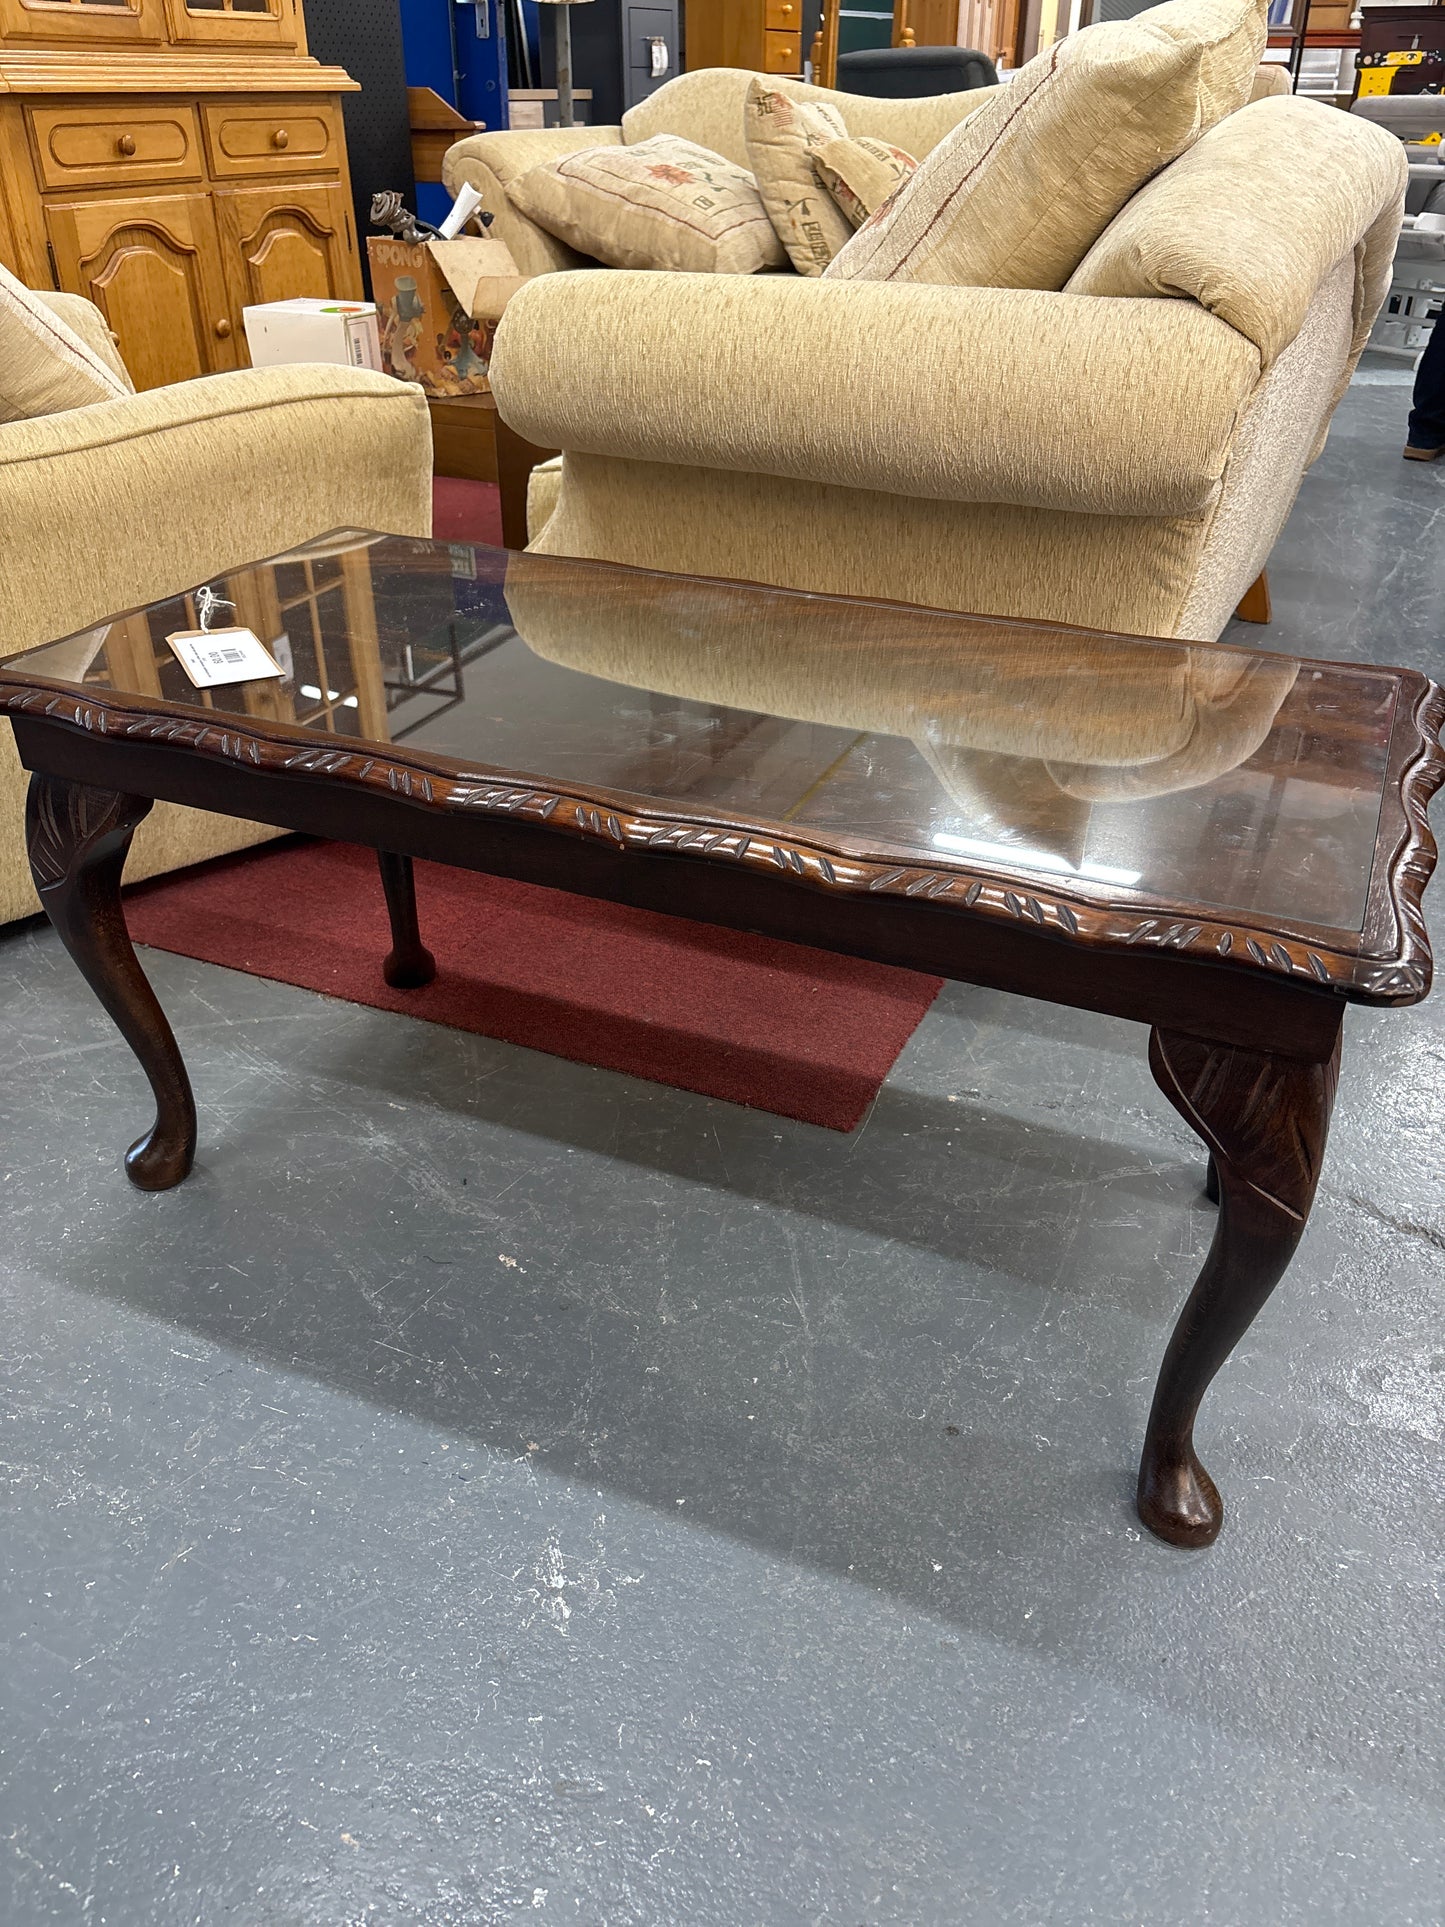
439,304
346,333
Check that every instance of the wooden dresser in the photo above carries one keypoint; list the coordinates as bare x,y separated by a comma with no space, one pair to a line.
763,35
175,161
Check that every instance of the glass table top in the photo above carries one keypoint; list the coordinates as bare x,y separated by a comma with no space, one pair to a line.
1114,767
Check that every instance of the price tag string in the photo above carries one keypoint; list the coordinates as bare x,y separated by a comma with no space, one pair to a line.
207,603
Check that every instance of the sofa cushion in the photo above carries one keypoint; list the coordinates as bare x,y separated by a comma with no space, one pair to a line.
1018,194
861,174
45,366
664,203
783,135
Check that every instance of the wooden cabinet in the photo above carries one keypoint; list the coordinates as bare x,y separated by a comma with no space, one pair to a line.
174,161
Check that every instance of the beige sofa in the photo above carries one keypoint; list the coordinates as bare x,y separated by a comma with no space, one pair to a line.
127,501
1120,454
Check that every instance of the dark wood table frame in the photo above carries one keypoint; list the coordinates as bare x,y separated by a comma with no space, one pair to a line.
470,440
1245,1021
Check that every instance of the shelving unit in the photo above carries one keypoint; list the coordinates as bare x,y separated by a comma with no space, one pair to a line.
1322,61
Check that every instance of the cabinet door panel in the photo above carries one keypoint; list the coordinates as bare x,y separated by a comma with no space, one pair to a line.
153,268
282,243
237,23
97,23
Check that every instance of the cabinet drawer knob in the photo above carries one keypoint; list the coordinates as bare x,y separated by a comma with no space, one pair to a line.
223,329
126,145
281,138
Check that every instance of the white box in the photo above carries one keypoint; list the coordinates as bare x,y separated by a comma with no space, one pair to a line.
345,333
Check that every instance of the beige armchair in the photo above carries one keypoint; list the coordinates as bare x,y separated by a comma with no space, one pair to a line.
1121,454
131,500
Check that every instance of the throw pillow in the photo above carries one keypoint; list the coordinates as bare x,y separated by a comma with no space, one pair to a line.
783,136
1020,191
861,174
663,203
45,367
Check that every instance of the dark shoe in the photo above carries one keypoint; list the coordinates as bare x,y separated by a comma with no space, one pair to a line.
1413,454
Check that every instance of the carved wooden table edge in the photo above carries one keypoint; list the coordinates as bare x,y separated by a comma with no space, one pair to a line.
1262,1113
1399,975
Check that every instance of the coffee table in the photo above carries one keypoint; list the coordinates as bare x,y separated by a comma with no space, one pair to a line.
1228,847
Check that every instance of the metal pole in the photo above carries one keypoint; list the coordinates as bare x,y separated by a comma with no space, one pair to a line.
565,114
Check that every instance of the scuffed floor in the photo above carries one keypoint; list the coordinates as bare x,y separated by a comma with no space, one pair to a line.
492,1489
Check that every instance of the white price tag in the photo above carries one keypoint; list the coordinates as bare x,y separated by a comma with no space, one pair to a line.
216,656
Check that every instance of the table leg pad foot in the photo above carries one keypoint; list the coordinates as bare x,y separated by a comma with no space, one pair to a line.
409,970
1178,1501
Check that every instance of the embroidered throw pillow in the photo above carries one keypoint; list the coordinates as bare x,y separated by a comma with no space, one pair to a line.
1020,191
663,203
861,174
45,367
783,136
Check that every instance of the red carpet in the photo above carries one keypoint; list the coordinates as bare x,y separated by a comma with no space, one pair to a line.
773,1025
465,511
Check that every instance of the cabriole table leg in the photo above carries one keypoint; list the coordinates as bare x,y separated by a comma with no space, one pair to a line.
1265,1120
409,964
78,838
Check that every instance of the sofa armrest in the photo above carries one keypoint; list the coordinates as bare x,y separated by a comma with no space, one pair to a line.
131,500
1002,395
1252,220
490,162
1271,77
83,318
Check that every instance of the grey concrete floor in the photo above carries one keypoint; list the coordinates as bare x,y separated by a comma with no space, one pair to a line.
494,1489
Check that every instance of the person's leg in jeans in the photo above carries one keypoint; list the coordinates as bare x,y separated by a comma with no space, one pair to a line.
1425,437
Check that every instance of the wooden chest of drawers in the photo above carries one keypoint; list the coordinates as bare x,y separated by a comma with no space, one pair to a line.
765,35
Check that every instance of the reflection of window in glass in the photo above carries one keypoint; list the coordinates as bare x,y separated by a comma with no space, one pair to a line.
312,596
225,6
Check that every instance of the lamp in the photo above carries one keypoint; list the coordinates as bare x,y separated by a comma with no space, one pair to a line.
566,116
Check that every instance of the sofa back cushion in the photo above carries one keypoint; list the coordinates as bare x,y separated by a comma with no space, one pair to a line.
707,107
45,366
1016,196
663,203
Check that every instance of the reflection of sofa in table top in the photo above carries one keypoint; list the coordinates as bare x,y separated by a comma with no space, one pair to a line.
1026,725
